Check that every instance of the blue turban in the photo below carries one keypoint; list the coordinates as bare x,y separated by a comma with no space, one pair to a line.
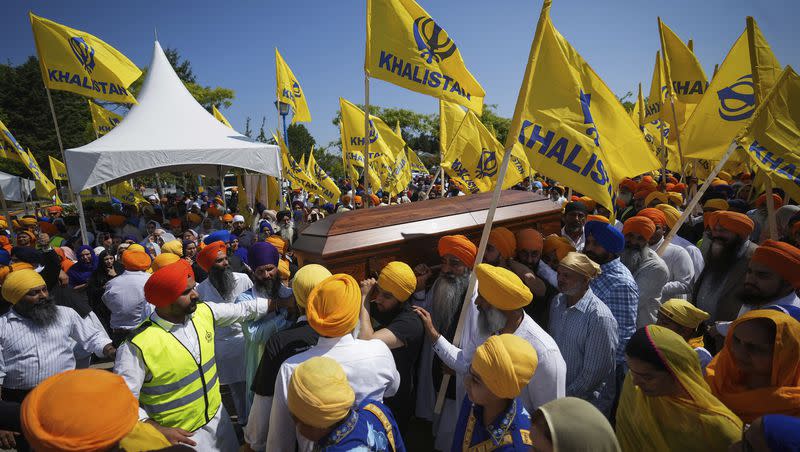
216,236
262,253
792,311
264,224
606,235
5,258
781,432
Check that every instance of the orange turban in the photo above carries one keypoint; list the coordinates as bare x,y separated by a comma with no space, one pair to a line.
213,211
648,183
629,184
460,247
655,215
115,221
6,244
175,223
168,283
134,260
227,217
680,187
504,241
374,199
716,204
738,223
588,202
559,244
48,228
642,194
357,200
639,225
334,305
164,259
780,257
599,218
278,243
761,201
655,196
85,409
207,256
193,218
530,239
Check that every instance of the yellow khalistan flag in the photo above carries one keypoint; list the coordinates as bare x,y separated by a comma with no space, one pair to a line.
405,46
219,116
75,61
658,88
571,125
328,189
684,74
292,171
450,117
273,193
7,152
416,163
289,91
401,170
57,168
772,139
125,192
103,120
651,131
44,187
731,98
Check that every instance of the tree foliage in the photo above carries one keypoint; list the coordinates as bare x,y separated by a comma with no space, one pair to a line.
300,140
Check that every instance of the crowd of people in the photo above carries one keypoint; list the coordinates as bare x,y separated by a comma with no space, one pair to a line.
589,339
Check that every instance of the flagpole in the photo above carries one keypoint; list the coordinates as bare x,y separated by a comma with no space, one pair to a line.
677,130
81,218
664,153
60,143
367,199
25,193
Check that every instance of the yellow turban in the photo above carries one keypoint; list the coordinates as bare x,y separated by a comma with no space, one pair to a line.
675,197
504,241
18,283
588,202
726,176
319,394
683,313
580,263
278,243
716,204
174,247
672,214
306,278
506,364
398,278
164,259
560,245
283,269
334,306
502,288
193,218
662,197
135,247
28,222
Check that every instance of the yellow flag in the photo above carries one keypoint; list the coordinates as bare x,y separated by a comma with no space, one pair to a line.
571,125
684,74
289,90
401,170
405,46
658,88
772,140
103,120
7,152
273,193
328,189
303,162
44,187
241,200
75,61
731,98
219,116
293,172
450,117
57,168
416,163
125,192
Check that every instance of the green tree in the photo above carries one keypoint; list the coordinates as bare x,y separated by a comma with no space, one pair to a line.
262,135
247,132
300,140
330,162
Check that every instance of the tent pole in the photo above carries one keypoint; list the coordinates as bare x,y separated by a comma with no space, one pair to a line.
60,144
25,191
158,191
81,218
222,187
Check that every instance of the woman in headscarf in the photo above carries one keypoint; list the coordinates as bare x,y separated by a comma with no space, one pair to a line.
107,269
570,424
688,321
190,254
86,264
665,402
756,372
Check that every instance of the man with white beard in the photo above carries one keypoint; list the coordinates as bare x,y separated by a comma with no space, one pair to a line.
286,227
498,309
443,301
648,269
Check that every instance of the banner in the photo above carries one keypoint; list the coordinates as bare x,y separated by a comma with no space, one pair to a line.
103,120
652,131
289,91
571,125
658,88
684,74
328,189
273,193
450,117
75,61
220,117
405,46
44,187
293,172
7,152
57,168
125,192
416,164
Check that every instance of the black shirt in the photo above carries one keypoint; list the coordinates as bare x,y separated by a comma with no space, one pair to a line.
280,347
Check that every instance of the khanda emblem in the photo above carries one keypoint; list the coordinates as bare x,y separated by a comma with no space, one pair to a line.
586,100
487,164
83,52
432,41
738,101
296,90
373,133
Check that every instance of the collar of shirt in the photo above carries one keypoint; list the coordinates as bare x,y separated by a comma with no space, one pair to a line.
582,304
331,342
657,245
302,318
163,323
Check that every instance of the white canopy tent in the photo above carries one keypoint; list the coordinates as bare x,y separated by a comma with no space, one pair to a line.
15,188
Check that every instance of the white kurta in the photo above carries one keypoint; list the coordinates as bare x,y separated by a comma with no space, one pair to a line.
681,271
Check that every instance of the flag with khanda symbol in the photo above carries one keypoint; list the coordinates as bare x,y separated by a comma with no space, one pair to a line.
44,187
289,90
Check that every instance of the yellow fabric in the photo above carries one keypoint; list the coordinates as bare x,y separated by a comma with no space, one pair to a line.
505,364
398,278
164,259
685,76
717,204
450,118
416,163
125,192
319,394
697,422
649,118
174,247
289,91
143,437
656,195
403,39
103,120
328,189
283,269
135,246
219,117
278,243
504,241
75,61
44,187
683,313
292,171
57,168
580,263
672,214
18,283
502,288
586,136
306,278
334,305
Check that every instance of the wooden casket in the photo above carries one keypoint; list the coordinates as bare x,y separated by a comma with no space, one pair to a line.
360,243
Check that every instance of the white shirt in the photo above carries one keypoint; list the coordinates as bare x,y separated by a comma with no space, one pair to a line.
790,299
370,369
681,271
578,244
124,297
694,254
130,365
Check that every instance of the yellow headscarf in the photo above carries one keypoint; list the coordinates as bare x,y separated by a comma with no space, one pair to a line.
306,278
672,214
697,422
18,283
683,313
580,263
319,393
283,269
173,247
334,306
502,288
506,364
164,259
398,278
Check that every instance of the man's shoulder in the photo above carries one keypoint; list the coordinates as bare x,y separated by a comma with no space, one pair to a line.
536,335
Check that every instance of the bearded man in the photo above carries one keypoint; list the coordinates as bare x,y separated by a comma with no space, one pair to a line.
773,277
574,218
536,274
681,269
648,269
286,227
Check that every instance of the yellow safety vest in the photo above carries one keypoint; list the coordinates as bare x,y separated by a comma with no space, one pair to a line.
182,393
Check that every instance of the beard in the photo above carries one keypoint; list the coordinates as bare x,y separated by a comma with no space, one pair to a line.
721,255
633,257
448,295
286,232
42,313
222,280
268,287
599,258
490,320
751,296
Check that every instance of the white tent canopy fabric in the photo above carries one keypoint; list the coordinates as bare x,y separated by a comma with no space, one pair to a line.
167,131
14,187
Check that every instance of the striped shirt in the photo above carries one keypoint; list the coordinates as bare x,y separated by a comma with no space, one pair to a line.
586,334
30,353
618,290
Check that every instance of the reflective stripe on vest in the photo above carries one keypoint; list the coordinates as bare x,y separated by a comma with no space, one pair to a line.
182,393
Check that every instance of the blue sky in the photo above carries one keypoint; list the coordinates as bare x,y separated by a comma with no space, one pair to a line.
231,43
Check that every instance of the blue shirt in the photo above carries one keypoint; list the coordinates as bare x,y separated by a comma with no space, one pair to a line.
618,290
369,427
511,431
